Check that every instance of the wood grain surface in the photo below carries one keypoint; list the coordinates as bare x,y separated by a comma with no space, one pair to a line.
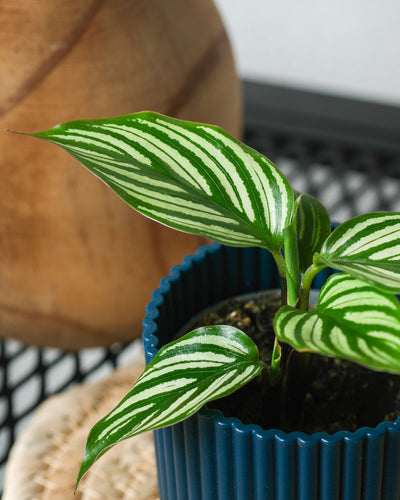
77,266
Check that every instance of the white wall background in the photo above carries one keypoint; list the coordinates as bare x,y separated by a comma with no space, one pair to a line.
347,47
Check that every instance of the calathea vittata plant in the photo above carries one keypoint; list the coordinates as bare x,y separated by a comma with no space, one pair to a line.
196,178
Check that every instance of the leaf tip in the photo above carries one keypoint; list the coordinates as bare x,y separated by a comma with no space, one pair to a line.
39,135
16,132
85,466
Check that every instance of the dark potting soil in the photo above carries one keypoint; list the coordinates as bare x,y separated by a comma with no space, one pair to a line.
339,395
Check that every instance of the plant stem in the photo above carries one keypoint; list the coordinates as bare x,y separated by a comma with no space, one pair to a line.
294,388
266,381
280,264
297,366
306,283
276,362
276,354
291,256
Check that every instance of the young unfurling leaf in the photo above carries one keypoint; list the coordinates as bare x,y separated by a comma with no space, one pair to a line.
313,227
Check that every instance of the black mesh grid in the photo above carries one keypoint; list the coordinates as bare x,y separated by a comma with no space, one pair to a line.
29,375
351,162
344,152
348,182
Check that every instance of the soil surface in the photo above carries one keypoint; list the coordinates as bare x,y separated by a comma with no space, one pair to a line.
338,395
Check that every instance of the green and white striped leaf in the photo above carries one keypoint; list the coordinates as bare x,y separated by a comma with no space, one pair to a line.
189,176
206,364
313,227
352,320
368,248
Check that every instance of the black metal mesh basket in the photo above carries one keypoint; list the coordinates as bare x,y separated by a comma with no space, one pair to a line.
344,152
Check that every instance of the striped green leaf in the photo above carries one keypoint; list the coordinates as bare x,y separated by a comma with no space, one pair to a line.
206,364
352,320
368,248
189,176
313,227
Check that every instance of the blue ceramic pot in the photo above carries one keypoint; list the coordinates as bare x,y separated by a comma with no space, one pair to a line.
210,457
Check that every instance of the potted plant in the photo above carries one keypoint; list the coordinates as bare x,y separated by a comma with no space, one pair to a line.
196,178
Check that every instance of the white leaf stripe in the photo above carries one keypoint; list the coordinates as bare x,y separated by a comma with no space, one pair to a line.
166,410
205,364
223,386
363,233
113,165
153,189
135,412
273,196
380,276
313,227
347,290
252,168
123,424
153,158
368,248
126,172
190,404
373,233
212,340
97,141
185,167
204,165
352,320
199,221
220,234
147,201
177,355
161,417
206,151
200,215
211,356
174,368
237,166
185,402
391,252
376,239
309,218
177,162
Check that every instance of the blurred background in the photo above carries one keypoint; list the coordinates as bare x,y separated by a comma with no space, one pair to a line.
349,48
322,95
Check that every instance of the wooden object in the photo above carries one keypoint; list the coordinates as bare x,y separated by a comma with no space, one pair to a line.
77,266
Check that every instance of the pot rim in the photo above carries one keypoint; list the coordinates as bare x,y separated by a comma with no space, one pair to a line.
151,341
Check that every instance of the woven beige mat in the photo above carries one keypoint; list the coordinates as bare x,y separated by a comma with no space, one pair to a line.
44,461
